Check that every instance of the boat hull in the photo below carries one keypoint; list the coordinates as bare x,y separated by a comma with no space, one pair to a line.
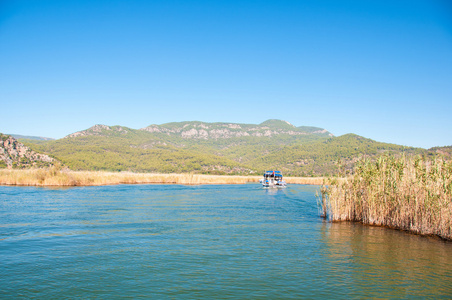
274,184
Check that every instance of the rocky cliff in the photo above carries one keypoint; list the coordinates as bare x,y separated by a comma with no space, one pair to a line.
99,129
203,130
210,131
16,154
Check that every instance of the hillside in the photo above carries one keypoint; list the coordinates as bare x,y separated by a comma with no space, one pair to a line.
14,154
321,158
446,151
215,148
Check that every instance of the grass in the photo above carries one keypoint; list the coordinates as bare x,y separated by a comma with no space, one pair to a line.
407,193
55,176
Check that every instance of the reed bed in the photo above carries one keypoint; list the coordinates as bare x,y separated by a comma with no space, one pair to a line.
407,193
55,176
305,180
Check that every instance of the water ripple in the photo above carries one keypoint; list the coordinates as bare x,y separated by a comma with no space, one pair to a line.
204,242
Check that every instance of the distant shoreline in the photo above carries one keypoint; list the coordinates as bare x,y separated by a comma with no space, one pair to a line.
54,177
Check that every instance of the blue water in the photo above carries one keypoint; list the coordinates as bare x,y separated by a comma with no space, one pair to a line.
204,242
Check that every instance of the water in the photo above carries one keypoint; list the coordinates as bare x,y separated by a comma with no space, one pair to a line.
204,242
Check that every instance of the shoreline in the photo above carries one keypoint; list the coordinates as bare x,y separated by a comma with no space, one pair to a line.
53,177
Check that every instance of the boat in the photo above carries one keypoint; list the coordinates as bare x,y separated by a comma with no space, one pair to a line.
273,179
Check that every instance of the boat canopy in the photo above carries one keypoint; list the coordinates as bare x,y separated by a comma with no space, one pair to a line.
272,174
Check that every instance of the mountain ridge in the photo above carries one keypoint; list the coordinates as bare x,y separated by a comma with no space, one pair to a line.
30,137
215,130
217,148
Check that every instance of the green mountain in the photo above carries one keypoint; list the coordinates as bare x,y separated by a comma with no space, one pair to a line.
322,157
214,148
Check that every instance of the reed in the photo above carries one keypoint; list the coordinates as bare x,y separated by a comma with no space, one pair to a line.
407,193
304,180
55,176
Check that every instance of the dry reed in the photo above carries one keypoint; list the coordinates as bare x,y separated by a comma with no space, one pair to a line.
407,193
54,176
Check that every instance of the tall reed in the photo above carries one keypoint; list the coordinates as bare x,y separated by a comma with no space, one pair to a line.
408,193
56,176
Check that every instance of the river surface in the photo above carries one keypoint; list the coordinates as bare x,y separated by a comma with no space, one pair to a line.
204,242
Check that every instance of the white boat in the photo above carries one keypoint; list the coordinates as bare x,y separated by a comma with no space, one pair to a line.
273,179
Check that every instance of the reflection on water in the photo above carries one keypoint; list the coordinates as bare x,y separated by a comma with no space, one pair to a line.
406,264
233,241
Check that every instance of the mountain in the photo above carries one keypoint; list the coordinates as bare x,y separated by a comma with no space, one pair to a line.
321,158
445,151
211,131
29,137
215,148
15,154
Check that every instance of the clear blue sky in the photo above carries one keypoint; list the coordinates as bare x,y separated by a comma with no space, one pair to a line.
380,69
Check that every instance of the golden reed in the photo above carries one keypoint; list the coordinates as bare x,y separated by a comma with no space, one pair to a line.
54,176
407,193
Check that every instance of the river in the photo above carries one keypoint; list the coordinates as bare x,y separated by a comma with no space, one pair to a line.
204,242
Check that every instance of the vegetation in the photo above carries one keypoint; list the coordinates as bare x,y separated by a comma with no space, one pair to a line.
121,154
14,154
215,148
169,148
237,149
57,176
412,193
320,158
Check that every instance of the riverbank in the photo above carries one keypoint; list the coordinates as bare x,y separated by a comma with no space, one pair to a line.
57,177
407,193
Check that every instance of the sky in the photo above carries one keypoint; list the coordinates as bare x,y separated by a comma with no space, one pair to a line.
377,68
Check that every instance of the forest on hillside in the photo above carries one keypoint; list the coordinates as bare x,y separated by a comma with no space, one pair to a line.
313,158
216,148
